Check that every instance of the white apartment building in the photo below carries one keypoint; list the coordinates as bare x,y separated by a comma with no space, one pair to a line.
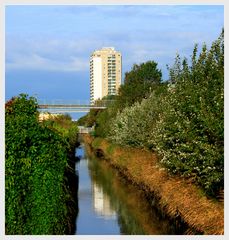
105,73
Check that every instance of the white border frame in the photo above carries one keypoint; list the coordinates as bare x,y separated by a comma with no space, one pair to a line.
4,3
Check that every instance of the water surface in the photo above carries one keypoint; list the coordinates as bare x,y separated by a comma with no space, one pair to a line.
109,205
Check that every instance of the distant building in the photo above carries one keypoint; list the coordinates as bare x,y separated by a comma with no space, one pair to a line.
46,115
105,73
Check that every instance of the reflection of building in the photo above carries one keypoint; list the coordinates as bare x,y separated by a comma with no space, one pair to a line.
102,202
105,73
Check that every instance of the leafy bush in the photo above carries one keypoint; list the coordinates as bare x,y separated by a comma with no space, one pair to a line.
89,119
68,129
185,125
103,121
35,163
133,126
190,132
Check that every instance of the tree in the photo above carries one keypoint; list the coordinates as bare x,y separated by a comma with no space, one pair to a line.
139,82
190,132
183,122
37,196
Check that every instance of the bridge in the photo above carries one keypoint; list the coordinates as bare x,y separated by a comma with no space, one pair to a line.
83,129
68,106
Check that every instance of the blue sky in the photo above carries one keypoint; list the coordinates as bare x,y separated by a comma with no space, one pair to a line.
48,47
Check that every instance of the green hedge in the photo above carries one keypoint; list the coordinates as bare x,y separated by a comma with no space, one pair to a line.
35,165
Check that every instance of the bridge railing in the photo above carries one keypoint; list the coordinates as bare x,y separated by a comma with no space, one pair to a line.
74,103
83,129
62,101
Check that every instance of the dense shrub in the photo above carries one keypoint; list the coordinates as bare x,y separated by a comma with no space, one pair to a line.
103,122
100,118
133,126
190,132
68,129
35,163
186,124
89,119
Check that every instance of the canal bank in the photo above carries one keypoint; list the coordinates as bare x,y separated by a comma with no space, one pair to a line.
109,205
177,198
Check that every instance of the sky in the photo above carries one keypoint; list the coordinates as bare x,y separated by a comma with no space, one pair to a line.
48,47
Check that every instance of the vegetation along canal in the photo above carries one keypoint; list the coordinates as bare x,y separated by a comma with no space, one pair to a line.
108,204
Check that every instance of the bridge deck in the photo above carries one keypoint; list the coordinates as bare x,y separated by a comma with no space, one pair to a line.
41,106
65,108
60,106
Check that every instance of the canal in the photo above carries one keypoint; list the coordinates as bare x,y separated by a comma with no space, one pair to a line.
109,205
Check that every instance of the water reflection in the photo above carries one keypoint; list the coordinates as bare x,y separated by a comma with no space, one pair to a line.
108,204
101,203
89,221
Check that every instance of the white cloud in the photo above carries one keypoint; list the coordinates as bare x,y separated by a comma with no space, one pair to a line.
36,62
141,33
47,54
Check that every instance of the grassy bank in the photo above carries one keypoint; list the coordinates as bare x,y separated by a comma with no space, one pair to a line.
177,197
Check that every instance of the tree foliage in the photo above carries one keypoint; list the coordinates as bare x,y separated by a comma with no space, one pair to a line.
133,126
89,119
63,125
190,132
185,124
35,163
139,82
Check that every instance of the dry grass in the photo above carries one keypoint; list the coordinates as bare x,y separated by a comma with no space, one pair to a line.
177,195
